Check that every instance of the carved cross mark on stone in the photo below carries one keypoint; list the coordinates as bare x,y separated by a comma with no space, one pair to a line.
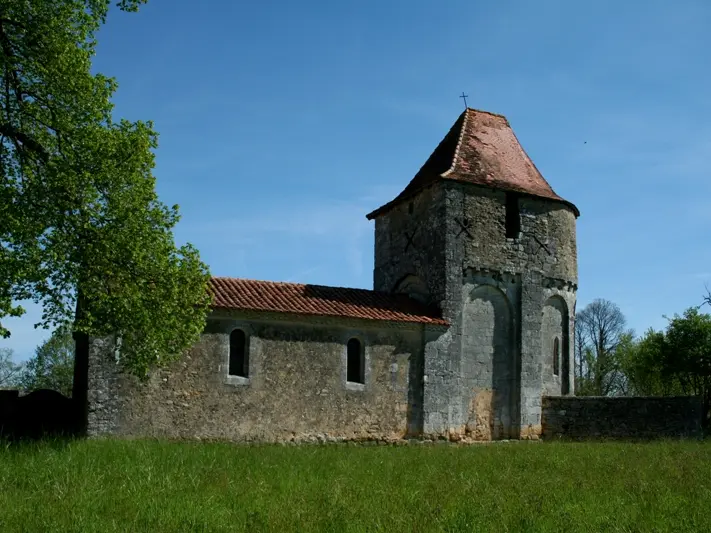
464,225
541,244
409,239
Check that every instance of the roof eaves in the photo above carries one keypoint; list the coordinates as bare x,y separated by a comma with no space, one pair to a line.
391,204
425,320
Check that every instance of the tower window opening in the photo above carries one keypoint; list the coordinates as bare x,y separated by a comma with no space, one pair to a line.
513,217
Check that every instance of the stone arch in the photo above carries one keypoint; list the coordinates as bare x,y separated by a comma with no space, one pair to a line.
413,286
554,325
489,364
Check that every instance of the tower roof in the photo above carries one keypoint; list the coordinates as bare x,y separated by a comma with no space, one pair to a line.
480,148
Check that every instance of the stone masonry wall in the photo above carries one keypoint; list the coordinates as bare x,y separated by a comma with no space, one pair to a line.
296,389
103,407
537,267
546,243
413,241
621,417
556,324
485,376
490,355
409,240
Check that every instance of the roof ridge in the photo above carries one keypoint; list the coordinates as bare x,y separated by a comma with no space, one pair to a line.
488,113
257,280
455,157
295,283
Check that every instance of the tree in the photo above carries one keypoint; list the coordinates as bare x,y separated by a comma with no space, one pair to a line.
82,230
643,364
52,366
687,354
9,370
600,330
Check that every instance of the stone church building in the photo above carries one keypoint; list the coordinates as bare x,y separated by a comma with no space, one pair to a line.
469,323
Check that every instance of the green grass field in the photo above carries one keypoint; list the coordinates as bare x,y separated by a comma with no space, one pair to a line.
137,486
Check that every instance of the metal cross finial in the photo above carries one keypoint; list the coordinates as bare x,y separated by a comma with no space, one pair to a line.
465,98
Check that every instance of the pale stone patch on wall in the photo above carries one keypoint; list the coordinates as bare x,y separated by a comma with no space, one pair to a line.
480,425
531,432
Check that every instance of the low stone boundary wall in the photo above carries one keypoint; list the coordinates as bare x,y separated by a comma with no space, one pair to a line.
40,413
636,417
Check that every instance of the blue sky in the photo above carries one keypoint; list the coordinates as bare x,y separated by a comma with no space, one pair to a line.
282,124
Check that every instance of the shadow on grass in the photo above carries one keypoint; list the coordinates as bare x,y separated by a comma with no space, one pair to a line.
36,444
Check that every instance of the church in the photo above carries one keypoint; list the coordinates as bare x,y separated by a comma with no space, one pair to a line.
469,324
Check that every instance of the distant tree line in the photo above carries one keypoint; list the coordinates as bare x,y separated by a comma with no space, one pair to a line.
51,366
610,360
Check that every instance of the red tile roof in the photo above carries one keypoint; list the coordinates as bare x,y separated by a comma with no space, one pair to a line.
254,295
480,148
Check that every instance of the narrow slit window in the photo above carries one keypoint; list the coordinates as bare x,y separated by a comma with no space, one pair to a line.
556,350
239,363
355,372
513,217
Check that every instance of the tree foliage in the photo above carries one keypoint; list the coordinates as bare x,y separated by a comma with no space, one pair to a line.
82,231
52,366
673,362
600,338
10,371
687,352
643,363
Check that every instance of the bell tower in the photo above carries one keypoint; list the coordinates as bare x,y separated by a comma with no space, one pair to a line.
481,234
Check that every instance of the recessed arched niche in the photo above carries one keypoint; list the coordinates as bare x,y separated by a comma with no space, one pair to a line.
555,344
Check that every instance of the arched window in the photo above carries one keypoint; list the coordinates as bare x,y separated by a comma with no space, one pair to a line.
355,371
556,350
239,360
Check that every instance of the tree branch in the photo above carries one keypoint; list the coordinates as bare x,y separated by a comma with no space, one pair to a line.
10,131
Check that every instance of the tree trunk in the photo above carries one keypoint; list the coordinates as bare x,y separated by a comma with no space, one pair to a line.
80,385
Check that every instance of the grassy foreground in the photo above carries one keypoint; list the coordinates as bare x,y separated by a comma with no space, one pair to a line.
138,486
